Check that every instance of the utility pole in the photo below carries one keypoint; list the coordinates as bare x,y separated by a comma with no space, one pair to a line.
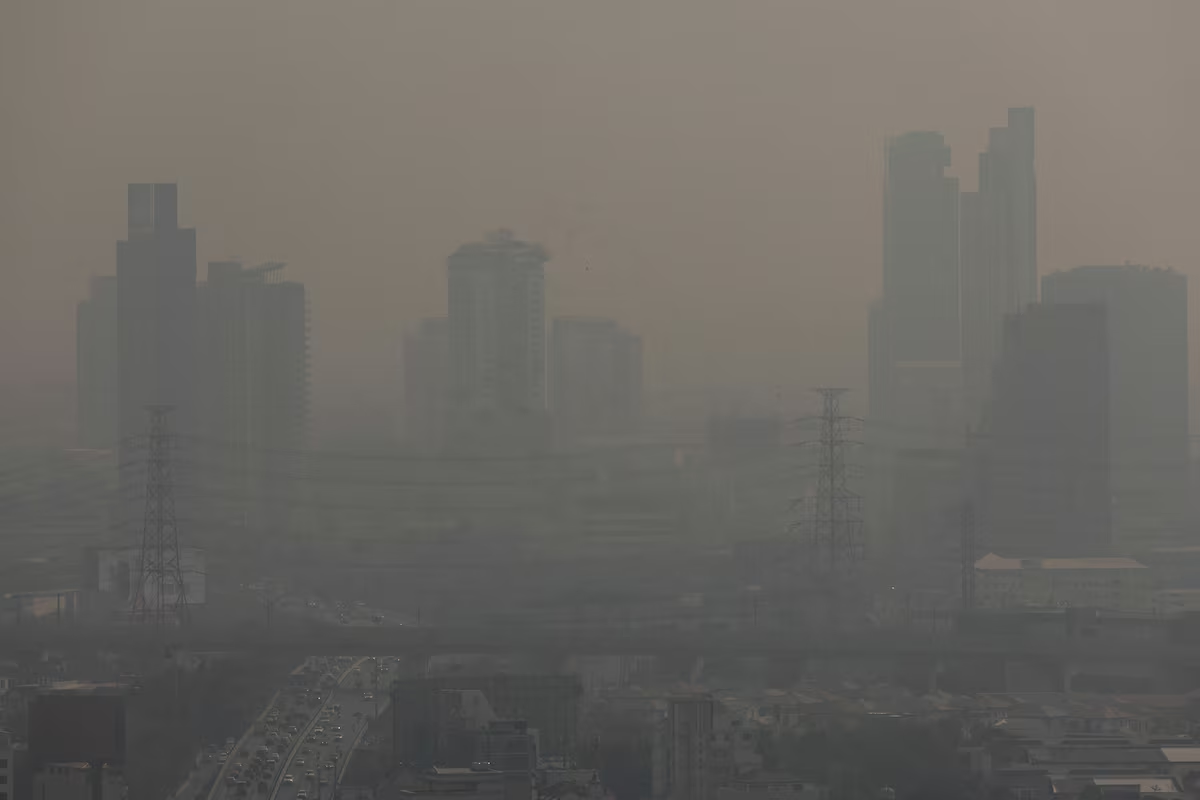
160,597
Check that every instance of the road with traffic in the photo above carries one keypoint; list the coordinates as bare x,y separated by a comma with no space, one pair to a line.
318,759
251,766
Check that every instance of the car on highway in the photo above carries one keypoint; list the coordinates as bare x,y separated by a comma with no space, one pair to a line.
302,795
327,766
368,696
337,737
310,775
299,762
289,779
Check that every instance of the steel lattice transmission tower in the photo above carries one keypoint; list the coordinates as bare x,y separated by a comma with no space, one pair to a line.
160,596
832,519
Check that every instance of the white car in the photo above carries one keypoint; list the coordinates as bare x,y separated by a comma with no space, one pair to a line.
288,780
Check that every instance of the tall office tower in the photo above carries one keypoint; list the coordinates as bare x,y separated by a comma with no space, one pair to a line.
916,324
999,251
254,395
497,343
595,379
96,365
156,307
426,384
914,328
1046,478
1148,392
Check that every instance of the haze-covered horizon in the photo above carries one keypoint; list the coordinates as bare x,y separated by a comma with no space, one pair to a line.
709,173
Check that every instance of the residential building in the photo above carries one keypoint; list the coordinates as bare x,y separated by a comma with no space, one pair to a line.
1114,584
426,384
596,379
1045,483
497,344
999,251
1147,315
96,365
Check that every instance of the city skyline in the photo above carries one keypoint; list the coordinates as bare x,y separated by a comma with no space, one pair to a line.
743,194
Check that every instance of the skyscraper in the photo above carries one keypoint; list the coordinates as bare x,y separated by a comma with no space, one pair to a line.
999,250
1148,391
156,310
497,342
920,249
914,328
96,365
1046,485
596,378
156,300
426,388
916,323
254,394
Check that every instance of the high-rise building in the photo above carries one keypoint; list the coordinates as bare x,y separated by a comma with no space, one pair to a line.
917,320
497,343
253,407
920,249
426,384
999,250
914,376
1046,475
156,302
96,365
596,378
1147,314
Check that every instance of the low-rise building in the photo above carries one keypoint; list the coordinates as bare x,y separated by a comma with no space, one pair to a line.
1118,584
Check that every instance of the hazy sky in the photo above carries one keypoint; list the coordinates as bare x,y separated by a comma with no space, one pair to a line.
708,171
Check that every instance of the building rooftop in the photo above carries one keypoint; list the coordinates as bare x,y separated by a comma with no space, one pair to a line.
994,562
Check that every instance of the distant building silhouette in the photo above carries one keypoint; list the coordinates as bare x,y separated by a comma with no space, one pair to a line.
156,326
914,374
999,250
96,365
497,343
596,379
1047,471
1147,313
916,323
426,384
253,397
